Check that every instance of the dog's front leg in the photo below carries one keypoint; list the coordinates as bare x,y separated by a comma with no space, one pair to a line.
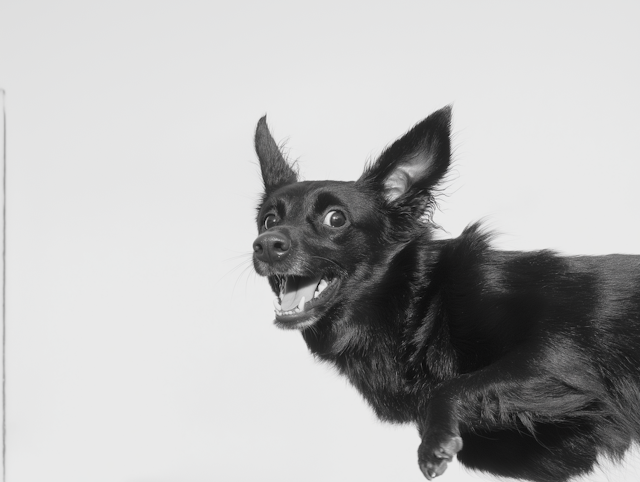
440,433
512,393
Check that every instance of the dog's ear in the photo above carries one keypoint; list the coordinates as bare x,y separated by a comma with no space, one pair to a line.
276,171
408,170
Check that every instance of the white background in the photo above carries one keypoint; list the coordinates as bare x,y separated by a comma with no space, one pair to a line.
140,346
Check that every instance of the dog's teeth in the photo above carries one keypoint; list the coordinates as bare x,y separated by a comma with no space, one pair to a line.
320,288
301,305
322,285
277,305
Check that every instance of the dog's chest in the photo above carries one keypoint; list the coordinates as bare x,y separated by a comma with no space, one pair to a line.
379,380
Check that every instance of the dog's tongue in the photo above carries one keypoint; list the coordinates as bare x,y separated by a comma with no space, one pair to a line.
297,287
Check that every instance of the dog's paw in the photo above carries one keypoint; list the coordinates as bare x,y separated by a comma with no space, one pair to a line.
434,454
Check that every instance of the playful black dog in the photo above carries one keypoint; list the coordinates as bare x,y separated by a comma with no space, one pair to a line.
524,364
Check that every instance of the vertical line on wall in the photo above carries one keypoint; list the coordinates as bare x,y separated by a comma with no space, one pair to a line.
4,282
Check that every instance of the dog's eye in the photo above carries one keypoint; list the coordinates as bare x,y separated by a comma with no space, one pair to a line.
335,219
270,221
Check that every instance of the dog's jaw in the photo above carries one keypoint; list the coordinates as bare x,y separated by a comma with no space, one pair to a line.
306,299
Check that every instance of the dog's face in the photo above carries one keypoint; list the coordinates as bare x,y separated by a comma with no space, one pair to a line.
315,240
324,245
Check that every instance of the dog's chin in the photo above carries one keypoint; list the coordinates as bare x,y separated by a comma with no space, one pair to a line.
295,322
306,313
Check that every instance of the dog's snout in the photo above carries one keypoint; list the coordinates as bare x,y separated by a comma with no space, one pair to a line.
271,246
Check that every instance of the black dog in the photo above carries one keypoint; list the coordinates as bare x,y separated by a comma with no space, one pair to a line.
524,364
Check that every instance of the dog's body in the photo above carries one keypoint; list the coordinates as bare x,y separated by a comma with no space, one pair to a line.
524,364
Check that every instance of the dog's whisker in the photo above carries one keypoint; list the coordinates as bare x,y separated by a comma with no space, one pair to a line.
244,265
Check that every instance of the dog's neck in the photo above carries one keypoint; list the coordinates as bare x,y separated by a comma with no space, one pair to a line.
364,339
372,368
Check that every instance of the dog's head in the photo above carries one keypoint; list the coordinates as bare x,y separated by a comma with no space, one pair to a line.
323,244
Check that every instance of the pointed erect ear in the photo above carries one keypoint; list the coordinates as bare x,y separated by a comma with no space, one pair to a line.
276,171
410,168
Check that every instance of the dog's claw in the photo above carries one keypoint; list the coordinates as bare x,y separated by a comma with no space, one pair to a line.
433,460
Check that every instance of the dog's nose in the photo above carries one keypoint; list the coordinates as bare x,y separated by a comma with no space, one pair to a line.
271,246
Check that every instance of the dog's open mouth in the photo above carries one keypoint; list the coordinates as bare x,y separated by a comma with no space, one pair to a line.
300,296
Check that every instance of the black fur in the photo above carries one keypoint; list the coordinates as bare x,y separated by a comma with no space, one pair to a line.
524,364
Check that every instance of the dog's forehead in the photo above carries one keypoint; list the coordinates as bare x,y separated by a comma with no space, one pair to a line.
318,194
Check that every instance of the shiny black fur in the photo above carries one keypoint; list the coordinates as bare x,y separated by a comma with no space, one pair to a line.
524,364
